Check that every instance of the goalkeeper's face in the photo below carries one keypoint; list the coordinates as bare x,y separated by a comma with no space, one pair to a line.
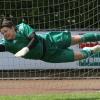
8,33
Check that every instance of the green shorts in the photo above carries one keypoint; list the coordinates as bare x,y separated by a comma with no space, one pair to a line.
57,47
60,56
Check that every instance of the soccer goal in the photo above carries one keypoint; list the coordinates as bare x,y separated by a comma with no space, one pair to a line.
77,16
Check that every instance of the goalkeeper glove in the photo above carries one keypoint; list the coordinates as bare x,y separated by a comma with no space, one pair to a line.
22,52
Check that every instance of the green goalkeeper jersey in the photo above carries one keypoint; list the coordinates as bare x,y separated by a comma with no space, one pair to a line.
51,46
22,39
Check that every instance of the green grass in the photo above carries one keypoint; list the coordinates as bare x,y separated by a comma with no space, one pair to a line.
66,96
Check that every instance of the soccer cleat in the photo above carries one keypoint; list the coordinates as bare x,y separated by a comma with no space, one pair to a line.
94,49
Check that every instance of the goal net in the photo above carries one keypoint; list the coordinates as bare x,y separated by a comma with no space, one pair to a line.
77,16
54,14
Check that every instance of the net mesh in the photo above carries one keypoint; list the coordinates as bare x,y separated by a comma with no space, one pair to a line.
53,14
47,15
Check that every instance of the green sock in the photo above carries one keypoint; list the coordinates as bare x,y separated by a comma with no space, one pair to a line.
86,53
90,37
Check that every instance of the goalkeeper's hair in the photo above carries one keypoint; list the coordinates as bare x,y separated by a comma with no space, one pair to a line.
6,23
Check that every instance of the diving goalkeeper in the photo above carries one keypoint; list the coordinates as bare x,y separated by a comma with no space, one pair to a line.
53,47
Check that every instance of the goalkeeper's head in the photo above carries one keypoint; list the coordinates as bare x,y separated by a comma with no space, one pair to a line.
7,28
6,23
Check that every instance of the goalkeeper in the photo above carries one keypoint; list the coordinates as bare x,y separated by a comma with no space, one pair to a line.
53,47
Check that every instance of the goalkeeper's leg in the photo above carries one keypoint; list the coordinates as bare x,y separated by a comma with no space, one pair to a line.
86,52
87,37
69,55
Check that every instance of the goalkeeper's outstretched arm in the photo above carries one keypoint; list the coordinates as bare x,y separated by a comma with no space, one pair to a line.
31,44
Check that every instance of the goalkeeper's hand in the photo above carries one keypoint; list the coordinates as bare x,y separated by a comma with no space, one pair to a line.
22,52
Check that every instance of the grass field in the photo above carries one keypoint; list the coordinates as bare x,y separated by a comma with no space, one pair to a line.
66,96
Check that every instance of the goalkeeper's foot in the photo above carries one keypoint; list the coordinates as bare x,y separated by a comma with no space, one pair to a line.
93,49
